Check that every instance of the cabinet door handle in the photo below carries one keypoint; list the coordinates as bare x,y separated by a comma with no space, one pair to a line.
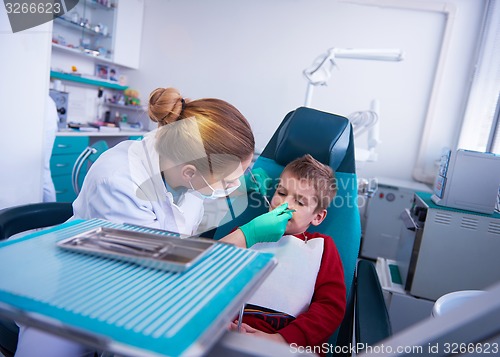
61,192
61,165
62,146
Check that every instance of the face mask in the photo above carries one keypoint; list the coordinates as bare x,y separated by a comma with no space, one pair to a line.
216,193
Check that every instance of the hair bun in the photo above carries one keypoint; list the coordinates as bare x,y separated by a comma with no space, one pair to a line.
165,105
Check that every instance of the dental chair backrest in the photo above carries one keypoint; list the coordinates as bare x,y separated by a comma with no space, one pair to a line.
329,139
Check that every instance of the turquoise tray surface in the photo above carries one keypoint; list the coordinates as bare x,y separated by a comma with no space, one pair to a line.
121,306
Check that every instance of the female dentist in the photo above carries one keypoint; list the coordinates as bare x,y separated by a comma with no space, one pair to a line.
199,151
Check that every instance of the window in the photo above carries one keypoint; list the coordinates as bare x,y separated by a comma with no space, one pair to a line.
481,126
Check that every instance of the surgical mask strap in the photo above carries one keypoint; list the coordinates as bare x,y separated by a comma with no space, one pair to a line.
215,193
203,178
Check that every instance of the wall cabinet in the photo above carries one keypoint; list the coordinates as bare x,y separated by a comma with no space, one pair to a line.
89,27
106,30
128,33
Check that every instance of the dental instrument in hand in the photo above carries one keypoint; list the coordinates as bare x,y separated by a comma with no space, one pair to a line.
240,317
258,185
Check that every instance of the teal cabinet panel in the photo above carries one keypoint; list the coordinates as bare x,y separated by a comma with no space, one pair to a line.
64,154
64,189
62,164
64,145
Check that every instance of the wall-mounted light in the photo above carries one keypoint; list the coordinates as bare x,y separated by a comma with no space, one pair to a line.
321,70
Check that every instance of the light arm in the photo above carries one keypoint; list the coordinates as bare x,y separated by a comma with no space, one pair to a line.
321,70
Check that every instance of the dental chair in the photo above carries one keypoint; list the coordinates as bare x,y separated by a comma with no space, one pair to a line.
19,219
329,139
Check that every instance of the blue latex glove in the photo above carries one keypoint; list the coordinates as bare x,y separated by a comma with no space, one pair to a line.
268,227
260,182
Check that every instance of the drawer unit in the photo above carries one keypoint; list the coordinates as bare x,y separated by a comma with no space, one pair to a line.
62,164
64,189
64,145
64,154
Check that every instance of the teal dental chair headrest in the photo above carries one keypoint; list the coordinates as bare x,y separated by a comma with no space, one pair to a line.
324,136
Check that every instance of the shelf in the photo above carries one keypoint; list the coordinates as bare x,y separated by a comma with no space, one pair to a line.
89,81
78,52
100,133
72,25
95,5
136,108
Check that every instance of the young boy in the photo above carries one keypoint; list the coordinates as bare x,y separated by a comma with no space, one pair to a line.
302,301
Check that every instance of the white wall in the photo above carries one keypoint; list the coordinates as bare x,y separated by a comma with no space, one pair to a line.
252,53
24,73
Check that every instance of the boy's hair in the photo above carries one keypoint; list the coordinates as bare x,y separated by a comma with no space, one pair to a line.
321,176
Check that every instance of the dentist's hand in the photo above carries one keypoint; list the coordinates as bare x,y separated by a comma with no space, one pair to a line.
268,227
260,182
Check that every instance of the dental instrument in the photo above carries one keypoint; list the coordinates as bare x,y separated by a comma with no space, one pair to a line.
258,186
240,317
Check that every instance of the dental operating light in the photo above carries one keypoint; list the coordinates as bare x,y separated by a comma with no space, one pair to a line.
320,72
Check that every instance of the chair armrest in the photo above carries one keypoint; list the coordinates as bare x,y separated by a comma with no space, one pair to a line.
18,219
372,319
8,337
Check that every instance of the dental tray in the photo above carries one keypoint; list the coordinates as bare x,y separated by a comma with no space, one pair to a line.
151,250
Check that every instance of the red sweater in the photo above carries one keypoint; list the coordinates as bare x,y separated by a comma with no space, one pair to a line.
327,307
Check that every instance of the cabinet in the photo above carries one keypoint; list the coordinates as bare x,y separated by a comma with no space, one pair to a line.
64,154
443,249
88,27
383,211
66,151
128,33
106,30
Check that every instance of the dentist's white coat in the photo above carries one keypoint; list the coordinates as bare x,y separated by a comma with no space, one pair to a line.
125,186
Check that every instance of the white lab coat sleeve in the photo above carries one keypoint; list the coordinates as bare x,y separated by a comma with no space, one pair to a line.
114,199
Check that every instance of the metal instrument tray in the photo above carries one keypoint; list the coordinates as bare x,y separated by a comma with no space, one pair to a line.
151,250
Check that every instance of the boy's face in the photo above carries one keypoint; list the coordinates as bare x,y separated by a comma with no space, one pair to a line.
301,196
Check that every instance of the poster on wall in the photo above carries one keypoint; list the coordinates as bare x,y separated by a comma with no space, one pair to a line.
102,71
